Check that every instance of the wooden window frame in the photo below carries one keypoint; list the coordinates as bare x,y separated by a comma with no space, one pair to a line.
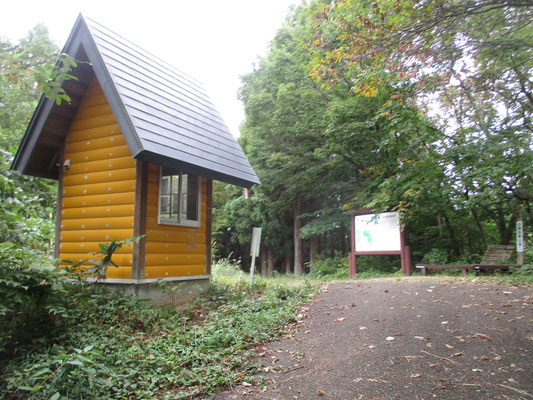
179,221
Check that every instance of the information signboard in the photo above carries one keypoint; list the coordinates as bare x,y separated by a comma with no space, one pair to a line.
378,232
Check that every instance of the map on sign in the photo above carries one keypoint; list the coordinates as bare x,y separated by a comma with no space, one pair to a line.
377,232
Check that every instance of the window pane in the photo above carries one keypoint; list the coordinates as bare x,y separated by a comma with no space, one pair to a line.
168,202
190,185
165,182
164,210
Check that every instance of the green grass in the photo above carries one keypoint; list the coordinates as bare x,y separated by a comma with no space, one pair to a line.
118,347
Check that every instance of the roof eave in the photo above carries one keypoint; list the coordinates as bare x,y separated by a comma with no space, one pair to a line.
197,170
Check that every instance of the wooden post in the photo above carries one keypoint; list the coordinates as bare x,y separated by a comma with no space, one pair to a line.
139,220
408,260
208,226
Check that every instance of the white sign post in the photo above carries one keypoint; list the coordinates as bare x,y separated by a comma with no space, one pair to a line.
520,242
254,250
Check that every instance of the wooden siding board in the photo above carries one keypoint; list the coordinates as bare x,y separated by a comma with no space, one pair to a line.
97,224
102,234
99,200
179,248
94,155
101,143
102,165
99,188
173,271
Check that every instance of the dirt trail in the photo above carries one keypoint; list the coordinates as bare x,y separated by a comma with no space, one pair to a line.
408,339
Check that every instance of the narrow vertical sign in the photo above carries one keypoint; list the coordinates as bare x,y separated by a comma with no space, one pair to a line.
519,237
254,250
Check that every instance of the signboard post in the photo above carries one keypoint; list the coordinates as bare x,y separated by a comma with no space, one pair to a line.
378,234
254,251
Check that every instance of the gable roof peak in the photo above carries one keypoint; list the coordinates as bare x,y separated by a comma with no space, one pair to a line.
165,115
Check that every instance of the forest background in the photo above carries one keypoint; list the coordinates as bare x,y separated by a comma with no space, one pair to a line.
418,107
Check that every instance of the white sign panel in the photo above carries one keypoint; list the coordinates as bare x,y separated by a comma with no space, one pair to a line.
377,232
519,236
256,242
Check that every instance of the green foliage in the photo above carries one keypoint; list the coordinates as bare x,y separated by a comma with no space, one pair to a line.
115,346
31,302
331,268
27,70
98,269
26,208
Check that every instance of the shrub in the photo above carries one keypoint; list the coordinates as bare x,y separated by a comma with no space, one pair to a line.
334,268
31,304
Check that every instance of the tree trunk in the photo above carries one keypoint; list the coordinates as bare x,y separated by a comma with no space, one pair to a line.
480,227
298,264
313,252
263,254
287,262
456,246
270,261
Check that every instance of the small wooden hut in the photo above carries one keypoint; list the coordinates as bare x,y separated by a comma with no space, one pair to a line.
135,153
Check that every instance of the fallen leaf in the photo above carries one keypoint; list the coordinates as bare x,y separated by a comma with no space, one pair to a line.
320,392
512,381
371,347
307,332
484,358
457,354
448,346
416,375
340,319
482,336
246,384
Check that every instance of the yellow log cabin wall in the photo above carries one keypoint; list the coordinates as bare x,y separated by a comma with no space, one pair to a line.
98,202
173,251
99,187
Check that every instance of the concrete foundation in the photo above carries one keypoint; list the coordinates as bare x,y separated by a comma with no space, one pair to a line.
163,292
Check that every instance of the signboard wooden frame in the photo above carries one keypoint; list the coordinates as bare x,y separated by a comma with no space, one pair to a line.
404,251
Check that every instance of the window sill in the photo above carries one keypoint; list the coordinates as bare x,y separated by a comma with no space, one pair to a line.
189,224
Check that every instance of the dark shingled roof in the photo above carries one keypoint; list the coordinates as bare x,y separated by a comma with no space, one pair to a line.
165,116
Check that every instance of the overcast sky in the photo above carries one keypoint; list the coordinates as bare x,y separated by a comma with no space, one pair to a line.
214,41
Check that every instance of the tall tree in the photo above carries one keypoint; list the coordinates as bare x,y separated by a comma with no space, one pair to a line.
468,63
26,203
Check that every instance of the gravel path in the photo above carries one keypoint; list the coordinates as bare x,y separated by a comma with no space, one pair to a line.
402,339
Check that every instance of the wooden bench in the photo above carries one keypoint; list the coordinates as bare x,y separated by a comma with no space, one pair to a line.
494,258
